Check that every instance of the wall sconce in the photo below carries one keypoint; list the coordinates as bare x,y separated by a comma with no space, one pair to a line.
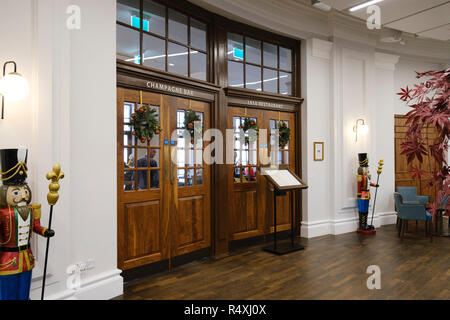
13,86
360,128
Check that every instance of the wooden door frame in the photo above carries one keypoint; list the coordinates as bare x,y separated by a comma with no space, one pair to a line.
244,98
130,76
136,77
419,186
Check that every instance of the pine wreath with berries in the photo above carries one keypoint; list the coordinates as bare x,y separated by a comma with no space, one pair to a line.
144,123
283,133
247,125
189,124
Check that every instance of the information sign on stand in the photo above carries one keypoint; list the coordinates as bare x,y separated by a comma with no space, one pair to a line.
283,180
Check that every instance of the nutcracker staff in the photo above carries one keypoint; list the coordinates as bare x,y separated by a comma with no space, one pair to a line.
363,194
18,219
380,169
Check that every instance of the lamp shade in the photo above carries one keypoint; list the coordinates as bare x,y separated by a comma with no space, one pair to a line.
363,129
14,87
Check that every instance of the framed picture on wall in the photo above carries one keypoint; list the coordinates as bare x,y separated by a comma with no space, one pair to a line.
318,151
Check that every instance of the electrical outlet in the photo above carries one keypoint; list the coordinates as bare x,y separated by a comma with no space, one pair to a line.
90,264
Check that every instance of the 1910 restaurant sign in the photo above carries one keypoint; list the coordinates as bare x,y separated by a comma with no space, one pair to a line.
266,104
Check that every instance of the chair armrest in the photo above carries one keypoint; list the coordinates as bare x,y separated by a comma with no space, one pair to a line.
412,212
412,202
423,199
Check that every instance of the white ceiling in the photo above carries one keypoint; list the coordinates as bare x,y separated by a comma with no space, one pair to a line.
426,18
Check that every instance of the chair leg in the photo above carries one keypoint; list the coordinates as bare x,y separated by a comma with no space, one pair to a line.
399,228
406,226
397,223
426,228
431,230
430,223
417,225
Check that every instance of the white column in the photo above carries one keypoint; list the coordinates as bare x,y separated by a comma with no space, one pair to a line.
384,139
315,124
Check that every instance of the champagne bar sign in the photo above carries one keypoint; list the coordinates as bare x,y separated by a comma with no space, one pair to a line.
169,88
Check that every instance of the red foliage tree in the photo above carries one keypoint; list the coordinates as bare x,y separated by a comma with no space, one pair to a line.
430,103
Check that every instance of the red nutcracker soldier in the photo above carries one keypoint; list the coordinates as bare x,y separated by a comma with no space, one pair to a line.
18,219
363,194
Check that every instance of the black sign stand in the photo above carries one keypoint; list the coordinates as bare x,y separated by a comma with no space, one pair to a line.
284,247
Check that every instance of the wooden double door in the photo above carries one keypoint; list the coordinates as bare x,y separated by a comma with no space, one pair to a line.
403,176
251,197
163,184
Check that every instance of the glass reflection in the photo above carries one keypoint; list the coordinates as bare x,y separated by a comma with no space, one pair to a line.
156,15
285,59
154,52
285,83
178,26
178,59
235,47
253,50
270,55
235,74
199,176
253,77
128,44
198,34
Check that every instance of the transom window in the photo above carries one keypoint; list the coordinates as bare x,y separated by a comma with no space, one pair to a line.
259,65
153,35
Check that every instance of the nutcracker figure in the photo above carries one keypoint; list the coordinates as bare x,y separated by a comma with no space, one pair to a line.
18,219
363,194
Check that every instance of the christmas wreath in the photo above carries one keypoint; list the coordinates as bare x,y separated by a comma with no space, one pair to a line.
145,123
189,124
247,125
283,133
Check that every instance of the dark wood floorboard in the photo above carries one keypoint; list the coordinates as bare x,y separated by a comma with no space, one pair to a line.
331,267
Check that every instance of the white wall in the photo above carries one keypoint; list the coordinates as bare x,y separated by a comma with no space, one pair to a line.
72,80
405,75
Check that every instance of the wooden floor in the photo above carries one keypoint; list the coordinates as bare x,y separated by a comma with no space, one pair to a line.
331,267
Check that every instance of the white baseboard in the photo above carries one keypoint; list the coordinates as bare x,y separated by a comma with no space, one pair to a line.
315,228
387,218
311,229
103,286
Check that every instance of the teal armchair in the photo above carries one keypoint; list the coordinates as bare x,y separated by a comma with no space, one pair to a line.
409,195
411,211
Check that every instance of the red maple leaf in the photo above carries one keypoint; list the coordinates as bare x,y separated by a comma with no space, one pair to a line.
405,94
416,172
430,103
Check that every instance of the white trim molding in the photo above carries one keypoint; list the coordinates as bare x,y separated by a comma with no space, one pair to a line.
321,48
314,229
386,61
103,286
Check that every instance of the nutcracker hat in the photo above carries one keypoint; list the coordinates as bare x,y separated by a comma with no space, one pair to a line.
363,160
13,166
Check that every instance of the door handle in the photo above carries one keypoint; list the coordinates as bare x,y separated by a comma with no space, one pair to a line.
166,162
173,159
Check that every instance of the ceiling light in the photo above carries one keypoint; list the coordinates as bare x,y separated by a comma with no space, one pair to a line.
363,5
320,5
